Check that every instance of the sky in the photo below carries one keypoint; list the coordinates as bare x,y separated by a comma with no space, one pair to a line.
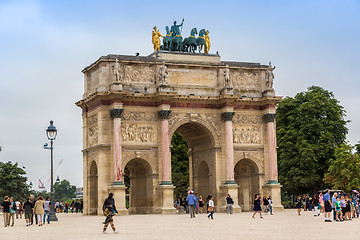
44,45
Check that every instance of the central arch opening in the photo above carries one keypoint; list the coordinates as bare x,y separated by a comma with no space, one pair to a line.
138,179
192,155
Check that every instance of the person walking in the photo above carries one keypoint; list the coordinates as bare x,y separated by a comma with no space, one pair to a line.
196,204
12,211
327,205
316,206
229,204
265,204
28,210
191,200
39,210
17,203
33,200
270,205
201,205
211,208
298,204
47,210
333,200
5,207
109,210
257,205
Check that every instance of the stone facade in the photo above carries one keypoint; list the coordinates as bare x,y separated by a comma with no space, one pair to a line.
129,117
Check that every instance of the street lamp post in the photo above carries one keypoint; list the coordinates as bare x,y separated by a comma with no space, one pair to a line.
51,133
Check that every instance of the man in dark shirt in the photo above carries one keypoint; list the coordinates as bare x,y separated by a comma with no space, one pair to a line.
28,208
5,207
33,200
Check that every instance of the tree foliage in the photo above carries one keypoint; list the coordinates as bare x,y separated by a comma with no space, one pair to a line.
64,191
344,169
309,127
179,164
357,148
13,181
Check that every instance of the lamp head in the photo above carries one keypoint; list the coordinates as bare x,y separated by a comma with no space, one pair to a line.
51,131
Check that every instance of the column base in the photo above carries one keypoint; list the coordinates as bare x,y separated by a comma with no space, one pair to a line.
118,189
274,190
167,194
232,188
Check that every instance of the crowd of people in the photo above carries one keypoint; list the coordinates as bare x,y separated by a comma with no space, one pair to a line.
35,208
344,206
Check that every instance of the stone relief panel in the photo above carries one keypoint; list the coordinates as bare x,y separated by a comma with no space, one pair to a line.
247,134
256,156
92,123
139,74
247,118
139,116
192,77
133,132
244,79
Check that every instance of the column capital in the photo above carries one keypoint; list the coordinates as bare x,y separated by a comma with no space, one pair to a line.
269,117
164,114
116,112
227,116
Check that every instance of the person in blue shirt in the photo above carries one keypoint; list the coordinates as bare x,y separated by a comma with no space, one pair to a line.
191,200
327,205
197,203
333,200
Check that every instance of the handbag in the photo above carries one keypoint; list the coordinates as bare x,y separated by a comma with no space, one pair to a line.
211,209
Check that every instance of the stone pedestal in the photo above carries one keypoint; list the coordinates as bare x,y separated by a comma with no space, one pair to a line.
269,92
119,197
167,195
227,91
116,86
274,190
232,189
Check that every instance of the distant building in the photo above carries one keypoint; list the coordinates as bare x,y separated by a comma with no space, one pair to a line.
79,193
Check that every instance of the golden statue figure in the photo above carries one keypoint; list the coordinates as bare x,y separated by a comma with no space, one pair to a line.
207,42
156,39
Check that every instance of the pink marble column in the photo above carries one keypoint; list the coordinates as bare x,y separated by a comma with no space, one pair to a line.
272,156
227,116
165,147
118,174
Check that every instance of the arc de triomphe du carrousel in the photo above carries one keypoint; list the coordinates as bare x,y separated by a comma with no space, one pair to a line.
132,106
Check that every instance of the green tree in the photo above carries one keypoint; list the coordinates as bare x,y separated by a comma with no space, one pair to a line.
63,190
357,147
179,164
309,127
13,181
344,169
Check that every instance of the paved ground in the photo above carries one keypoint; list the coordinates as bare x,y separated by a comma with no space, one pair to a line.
286,225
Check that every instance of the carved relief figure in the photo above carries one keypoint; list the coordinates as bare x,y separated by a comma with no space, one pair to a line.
135,133
163,74
92,130
248,135
228,83
269,76
116,71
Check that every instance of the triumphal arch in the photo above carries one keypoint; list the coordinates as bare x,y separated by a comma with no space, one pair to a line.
132,106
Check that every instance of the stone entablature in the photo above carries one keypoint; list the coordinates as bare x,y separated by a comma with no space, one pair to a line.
201,75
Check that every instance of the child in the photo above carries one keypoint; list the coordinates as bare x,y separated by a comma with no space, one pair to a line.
338,210
298,204
352,207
